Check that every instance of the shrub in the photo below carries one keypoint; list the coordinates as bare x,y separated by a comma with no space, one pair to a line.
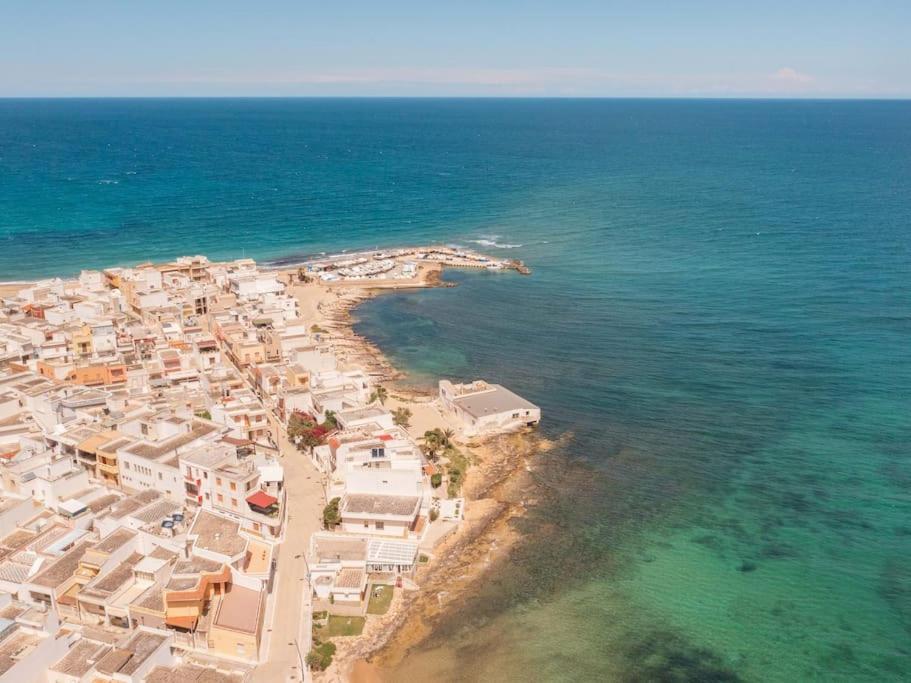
436,479
434,514
320,657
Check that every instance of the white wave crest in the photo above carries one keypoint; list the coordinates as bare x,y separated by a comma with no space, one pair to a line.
493,243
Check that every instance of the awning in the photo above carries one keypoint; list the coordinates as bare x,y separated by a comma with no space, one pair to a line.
261,499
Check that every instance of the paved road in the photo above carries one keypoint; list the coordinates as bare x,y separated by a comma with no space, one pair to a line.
291,621
288,631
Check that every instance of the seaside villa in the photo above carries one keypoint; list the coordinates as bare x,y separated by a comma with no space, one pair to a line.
483,408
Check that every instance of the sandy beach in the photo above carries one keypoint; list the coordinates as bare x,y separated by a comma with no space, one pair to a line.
8,289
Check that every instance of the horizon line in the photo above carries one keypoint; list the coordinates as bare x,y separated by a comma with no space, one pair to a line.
779,98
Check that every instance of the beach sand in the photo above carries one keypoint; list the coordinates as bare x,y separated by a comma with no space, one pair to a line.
8,289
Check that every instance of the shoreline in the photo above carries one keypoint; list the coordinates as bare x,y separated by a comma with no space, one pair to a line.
497,488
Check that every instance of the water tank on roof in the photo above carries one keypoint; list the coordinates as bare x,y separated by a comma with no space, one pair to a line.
167,523
177,516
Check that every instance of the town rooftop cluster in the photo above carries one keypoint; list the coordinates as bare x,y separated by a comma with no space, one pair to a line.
143,435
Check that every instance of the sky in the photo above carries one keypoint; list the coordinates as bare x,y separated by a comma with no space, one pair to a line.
501,48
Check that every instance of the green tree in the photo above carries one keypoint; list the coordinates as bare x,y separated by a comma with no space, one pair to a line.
308,439
299,423
379,394
436,479
331,513
331,421
402,417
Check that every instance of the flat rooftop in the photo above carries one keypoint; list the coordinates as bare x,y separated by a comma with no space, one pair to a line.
340,548
218,534
191,673
239,610
362,503
492,400
153,451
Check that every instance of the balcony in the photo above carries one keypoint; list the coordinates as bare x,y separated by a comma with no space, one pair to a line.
106,467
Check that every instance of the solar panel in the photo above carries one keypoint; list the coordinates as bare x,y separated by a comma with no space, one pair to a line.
391,552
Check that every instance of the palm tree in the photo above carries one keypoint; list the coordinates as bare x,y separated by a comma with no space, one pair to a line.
402,416
433,441
379,394
447,437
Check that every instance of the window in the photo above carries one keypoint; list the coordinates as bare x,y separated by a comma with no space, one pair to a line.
221,498
257,526
249,485
205,475
380,526
160,477
189,471
378,452
218,480
234,502
233,485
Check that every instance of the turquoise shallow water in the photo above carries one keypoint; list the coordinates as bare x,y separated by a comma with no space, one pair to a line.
719,315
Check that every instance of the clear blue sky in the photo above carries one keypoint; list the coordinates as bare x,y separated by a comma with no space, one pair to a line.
838,48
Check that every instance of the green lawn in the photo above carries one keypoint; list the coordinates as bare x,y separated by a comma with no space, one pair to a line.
380,598
341,626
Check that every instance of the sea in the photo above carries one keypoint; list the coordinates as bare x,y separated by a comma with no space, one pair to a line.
717,328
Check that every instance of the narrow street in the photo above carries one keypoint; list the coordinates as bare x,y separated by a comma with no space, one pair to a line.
287,632
288,635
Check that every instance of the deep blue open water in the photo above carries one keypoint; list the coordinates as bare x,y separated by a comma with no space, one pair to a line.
719,315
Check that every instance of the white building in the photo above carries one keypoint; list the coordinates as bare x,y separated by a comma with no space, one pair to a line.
483,408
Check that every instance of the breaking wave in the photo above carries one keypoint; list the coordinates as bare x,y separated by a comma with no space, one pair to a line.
491,241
